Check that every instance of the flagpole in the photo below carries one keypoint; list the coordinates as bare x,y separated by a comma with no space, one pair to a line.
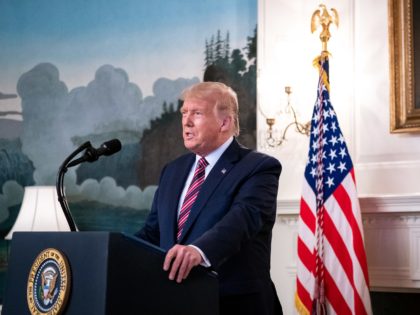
321,17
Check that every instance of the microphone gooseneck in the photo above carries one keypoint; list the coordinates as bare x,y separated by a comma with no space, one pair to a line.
90,155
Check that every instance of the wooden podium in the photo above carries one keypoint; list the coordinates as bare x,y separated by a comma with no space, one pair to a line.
108,273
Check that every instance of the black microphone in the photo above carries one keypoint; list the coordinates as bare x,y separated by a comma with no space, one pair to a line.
91,154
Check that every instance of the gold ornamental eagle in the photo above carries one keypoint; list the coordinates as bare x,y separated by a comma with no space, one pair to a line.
323,18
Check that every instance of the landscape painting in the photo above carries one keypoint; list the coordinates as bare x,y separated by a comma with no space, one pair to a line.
77,71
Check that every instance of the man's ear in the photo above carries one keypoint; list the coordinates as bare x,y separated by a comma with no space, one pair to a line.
227,122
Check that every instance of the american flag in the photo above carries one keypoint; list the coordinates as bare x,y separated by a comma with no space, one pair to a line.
332,275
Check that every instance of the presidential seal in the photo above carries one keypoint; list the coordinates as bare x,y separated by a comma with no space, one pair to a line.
48,285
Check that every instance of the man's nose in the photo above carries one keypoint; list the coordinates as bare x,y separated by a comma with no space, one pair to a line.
186,120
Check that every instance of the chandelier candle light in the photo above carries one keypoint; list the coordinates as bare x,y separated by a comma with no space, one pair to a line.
299,127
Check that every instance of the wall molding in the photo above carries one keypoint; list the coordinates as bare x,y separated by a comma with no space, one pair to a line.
368,204
391,225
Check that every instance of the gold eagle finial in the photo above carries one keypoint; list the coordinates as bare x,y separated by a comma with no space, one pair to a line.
323,18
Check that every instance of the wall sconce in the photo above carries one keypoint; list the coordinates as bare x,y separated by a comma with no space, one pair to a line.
301,128
40,211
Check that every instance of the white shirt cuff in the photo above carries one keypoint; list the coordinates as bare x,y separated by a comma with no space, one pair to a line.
206,262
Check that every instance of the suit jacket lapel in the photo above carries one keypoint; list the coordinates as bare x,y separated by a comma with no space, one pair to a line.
218,172
180,175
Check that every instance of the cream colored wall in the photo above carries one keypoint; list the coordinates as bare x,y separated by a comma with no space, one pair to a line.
387,166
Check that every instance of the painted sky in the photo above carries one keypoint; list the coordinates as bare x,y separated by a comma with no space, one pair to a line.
148,39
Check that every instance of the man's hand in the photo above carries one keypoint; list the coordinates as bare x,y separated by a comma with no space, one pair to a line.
180,259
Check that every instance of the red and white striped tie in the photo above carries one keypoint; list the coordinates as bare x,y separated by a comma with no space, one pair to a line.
192,194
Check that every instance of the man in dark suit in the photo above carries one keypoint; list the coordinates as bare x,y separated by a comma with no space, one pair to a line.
218,212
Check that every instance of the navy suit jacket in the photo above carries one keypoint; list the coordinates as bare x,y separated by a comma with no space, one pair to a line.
231,220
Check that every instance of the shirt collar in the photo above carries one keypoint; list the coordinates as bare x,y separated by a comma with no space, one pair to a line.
212,157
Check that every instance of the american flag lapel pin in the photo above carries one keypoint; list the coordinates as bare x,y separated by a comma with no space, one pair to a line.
223,171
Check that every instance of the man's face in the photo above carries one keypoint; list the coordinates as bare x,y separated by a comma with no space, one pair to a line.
201,127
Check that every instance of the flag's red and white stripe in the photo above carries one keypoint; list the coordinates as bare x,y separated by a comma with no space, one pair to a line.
345,270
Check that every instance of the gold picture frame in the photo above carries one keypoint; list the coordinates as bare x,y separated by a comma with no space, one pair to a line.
404,114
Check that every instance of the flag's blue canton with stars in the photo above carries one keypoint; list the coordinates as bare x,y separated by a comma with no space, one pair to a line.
328,161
